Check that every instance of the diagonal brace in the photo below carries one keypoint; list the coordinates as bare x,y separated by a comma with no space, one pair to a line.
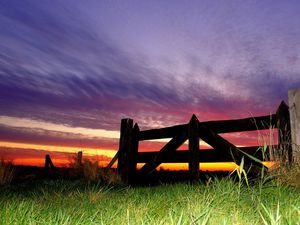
228,150
170,147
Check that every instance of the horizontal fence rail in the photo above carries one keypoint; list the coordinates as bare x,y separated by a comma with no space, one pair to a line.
206,155
161,133
241,125
220,126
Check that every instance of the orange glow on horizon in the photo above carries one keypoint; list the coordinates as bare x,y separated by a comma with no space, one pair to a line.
61,162
40,162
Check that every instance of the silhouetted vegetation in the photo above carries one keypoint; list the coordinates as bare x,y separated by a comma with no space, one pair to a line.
6,172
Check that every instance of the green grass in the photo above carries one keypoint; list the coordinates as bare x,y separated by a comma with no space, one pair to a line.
220,202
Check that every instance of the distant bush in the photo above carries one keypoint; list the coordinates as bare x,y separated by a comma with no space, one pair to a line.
110,176
91,170
87,169
6,172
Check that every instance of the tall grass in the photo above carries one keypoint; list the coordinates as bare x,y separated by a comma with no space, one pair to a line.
78,202
91,171
6,172
284,172
287,173
86,169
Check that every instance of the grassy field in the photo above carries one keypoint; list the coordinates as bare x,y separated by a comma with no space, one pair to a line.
220,201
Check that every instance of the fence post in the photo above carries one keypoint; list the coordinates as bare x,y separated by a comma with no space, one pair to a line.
48,163
125,150
79,158
284,133
193,136
133,153
294,104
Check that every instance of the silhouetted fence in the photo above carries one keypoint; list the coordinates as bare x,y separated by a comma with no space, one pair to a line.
223,150
49,166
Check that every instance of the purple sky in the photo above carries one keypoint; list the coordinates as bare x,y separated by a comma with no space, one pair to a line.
90,63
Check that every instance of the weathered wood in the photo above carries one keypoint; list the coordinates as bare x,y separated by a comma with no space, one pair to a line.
227,150
294,109
284,133
170,147
193,158
125,147
207,155
240,125
167,132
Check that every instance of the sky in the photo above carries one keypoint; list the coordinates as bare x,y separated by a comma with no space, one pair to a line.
70,70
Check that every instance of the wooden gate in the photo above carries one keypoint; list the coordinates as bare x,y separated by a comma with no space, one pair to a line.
223,150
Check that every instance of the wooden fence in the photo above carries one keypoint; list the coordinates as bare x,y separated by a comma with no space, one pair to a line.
223,151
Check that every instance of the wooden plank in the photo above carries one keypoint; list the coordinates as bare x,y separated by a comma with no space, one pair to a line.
227,150
166,151
284,133
193,158
113,160
220,126
240,125
167,132
125,146
204,155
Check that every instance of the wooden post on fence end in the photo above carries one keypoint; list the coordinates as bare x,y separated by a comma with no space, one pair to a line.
133,153
284,133
193,137
125,150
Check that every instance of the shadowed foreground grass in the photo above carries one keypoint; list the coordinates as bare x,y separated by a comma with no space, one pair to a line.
219,202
